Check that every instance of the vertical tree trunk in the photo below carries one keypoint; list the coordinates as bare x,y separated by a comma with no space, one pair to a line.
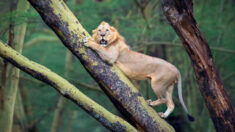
180,14
20,124
6,115
4,67
58,116
31,126
72,117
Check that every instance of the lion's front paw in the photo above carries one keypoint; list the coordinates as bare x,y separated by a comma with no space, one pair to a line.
149,101
161,114
85,41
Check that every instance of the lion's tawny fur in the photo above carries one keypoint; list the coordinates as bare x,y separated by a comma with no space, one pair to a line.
137,66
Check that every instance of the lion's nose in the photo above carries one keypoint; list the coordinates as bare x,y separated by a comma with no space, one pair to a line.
102,35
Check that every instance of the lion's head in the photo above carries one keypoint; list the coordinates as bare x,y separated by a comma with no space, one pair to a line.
105,34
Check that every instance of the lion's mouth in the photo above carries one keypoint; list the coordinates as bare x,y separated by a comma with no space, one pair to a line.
103,42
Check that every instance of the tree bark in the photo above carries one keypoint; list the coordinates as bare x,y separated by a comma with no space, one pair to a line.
40,72
180,14
118,88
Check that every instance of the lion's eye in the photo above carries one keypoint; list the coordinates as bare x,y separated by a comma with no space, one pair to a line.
107,30
99,30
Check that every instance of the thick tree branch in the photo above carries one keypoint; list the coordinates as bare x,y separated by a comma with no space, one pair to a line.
180,14
40,72
118,88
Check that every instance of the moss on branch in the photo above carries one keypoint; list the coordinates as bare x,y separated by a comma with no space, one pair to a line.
42,73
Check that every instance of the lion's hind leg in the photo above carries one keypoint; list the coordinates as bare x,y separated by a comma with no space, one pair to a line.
159,89
163,90
169,102
156,102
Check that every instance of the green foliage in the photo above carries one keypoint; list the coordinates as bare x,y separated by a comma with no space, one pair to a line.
214,17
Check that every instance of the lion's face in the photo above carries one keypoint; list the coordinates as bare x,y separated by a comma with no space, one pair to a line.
104,34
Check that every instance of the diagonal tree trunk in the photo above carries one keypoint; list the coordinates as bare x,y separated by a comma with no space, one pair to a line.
40,72
180,14
118,88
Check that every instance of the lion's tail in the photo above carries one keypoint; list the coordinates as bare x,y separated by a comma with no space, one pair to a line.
191,118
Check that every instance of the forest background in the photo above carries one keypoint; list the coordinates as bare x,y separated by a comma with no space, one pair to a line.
146,30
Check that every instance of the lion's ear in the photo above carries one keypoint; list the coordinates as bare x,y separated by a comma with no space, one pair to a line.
113,29
94,31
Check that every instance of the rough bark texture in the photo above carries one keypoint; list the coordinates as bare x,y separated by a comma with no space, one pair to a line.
180,14
40,72
118,88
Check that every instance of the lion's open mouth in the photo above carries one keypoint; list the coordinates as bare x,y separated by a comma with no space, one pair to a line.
103,42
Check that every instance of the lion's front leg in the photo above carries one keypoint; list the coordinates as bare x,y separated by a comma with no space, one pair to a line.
88,42
108,55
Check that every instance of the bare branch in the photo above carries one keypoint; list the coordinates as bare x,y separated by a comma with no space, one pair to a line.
152,43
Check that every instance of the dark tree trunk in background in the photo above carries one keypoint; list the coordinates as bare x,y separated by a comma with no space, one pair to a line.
180,14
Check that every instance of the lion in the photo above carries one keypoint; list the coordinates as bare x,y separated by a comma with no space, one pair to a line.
111,47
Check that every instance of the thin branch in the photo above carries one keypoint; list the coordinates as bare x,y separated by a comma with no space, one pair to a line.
143,44
156,2
138,4
142,8
41,117
38,40
88,86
